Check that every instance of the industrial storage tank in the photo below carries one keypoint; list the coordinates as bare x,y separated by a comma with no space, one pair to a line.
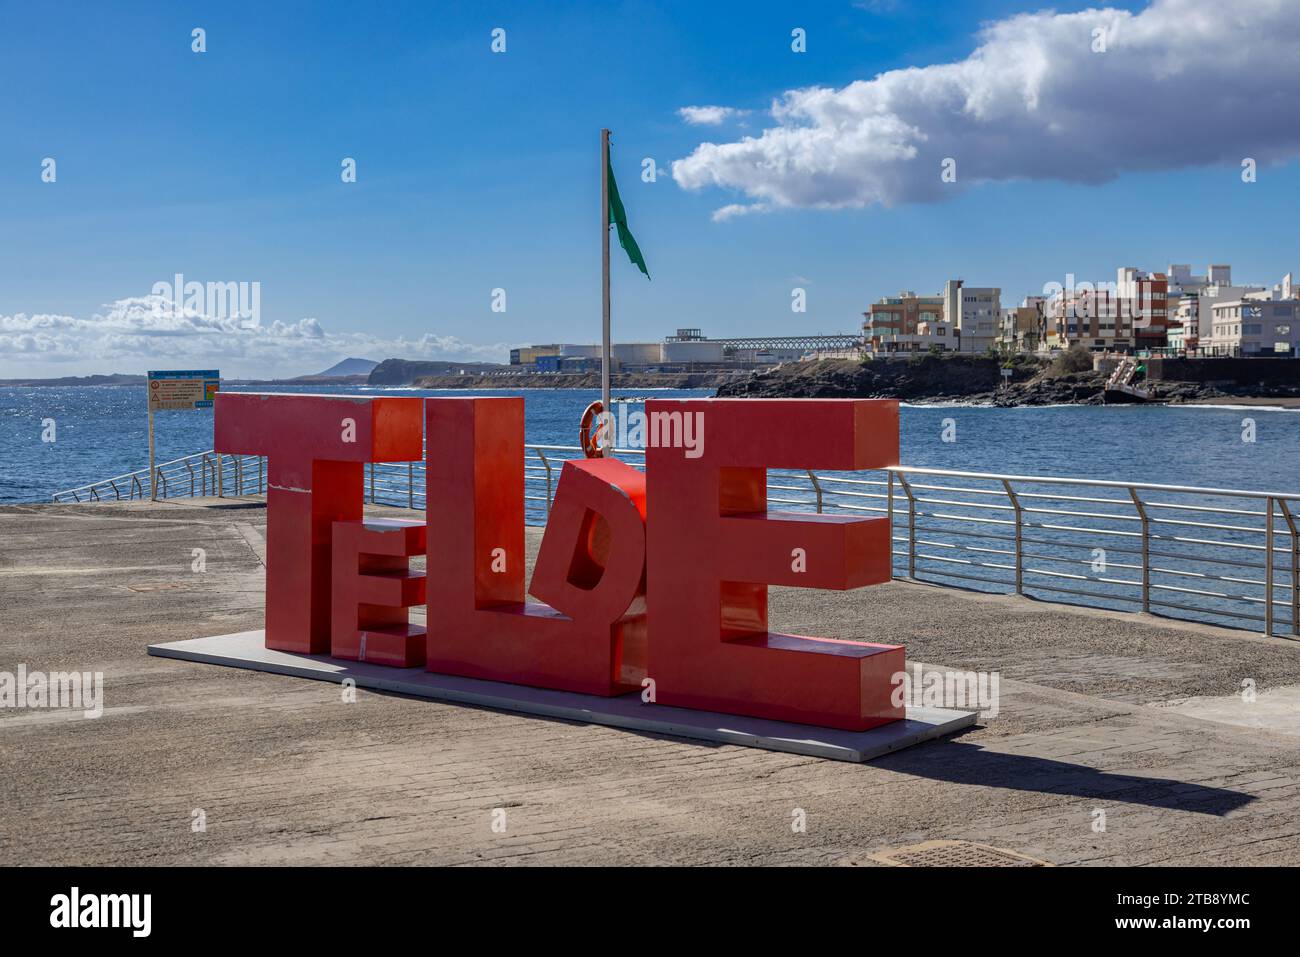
637,353
692,350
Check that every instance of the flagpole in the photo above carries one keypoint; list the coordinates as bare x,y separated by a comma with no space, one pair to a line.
604,266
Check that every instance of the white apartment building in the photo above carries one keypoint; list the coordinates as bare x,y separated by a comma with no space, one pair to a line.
1183,282
1191,317
1257,323
1191,298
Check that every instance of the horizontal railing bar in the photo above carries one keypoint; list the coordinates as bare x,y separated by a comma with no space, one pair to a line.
954,531
961,561
1094,483
1083,578
964,548
1066,511
1225,528
1083,591
999,492
926,500
845,492
1087,531
850,481
1208,541
1061,497
966,518
1207,508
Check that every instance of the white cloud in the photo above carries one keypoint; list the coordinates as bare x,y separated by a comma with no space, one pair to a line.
150,330
707,115
1183,83
732,210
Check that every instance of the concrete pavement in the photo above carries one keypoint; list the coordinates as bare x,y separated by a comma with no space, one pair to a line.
1094,728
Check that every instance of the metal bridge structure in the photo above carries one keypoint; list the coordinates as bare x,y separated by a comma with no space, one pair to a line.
813,343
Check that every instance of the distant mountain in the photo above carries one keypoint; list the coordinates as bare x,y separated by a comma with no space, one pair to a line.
349,367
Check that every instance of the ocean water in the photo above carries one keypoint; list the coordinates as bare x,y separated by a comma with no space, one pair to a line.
101,432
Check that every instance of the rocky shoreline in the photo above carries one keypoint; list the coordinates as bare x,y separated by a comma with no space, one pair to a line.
586,380
976,380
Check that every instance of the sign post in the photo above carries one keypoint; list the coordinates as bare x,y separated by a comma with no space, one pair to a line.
177,389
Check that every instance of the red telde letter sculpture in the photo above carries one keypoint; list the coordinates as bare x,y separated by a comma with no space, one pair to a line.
713,548
316,448
703,561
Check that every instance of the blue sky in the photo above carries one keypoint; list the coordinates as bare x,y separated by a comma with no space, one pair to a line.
479,170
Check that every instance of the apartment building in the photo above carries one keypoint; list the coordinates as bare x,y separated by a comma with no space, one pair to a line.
1189,300
1182,281
1097,319
1261,323
962,319
1148,305
976,314
1191,317
1024,327
908,323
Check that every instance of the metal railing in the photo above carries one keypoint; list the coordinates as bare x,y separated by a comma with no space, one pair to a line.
1220,556
202,474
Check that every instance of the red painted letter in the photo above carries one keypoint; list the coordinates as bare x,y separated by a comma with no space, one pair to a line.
316,447
713,548
590,565
373,588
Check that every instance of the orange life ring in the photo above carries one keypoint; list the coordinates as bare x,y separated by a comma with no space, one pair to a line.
587,438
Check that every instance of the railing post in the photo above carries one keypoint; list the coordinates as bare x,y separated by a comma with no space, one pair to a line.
911,527
410,485
1295,566
817,487
190,467
1146,548
221,477
1268,568
1020,555
372,483
890,505
547,465
261,475
239,474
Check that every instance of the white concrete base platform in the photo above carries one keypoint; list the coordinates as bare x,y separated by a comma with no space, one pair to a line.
246,650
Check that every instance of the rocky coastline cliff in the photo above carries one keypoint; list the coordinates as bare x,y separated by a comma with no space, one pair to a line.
928,378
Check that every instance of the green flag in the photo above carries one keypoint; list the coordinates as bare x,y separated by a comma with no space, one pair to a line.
618,216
